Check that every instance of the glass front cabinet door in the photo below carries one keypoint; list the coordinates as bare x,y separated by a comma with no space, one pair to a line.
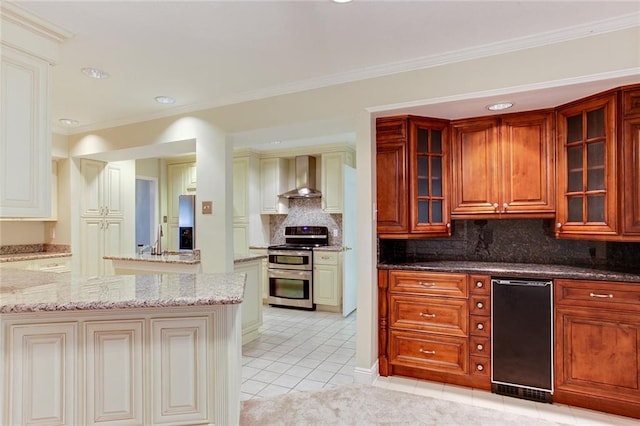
587,175
429,171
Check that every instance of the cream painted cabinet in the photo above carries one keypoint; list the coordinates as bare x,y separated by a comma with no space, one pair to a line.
181,180
273,182
178,370
114,372
327,278
252,303
25,136
42,374
102,217
332,186
241,202
264,280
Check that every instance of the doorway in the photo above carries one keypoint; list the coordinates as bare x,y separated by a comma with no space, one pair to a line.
146,210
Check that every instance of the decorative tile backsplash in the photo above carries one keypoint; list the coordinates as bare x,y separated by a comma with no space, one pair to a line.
511,240
306,211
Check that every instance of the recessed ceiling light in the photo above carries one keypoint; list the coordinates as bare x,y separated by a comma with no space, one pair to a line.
500,106
69,121
342,1
165,100
275,142
94,72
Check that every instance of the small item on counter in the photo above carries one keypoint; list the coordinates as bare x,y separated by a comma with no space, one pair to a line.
140,248
153,250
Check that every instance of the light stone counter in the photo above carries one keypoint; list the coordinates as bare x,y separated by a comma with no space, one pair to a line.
172,262
32,291
137,349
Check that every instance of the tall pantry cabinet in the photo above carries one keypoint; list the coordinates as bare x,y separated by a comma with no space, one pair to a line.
107,213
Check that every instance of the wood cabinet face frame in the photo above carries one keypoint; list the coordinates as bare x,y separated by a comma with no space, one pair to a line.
630,208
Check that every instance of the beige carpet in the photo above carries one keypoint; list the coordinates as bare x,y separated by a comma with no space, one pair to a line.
368,405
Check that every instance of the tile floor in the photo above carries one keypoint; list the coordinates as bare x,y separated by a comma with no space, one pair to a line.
307,351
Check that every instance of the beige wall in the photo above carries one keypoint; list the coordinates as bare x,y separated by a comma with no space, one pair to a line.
21,232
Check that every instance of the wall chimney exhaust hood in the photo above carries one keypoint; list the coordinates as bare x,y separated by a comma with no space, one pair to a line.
305,179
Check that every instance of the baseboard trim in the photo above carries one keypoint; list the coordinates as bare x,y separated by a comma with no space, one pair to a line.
366,376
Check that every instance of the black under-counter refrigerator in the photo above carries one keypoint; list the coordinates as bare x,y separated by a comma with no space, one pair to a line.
522,338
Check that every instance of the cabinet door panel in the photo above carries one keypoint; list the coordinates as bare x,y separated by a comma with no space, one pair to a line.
43,381
92,187
587,169
475,173
179,370
597,353
391,187
113,190
114,371
528,163
25,140
631,178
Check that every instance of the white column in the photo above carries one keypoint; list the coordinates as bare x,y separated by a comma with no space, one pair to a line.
367,320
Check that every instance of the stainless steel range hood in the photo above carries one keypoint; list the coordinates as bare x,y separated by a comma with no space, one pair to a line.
305,179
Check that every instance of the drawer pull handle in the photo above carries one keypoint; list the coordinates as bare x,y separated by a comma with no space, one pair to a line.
480,367
602,296
422,283
480,347
480,305
427,315
480,326
427,352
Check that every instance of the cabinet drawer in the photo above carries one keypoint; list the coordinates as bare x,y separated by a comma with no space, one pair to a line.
480,284
598,294
479,305
429,314
480,326
450,285
429,351
480,346
325,257
480,366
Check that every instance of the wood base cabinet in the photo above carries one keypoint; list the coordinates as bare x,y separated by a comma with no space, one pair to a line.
429,330
597,341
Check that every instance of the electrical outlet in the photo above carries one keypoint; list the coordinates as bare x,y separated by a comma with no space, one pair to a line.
335,232
207,207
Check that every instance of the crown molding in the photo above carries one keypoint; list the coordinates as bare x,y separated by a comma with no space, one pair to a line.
477,52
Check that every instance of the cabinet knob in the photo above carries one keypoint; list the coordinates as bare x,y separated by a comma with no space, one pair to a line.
495,206
480,347
480,367
480,305
505,206
558,225
479,284
480,326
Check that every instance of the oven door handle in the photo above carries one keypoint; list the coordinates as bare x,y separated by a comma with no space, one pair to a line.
304,253
288,273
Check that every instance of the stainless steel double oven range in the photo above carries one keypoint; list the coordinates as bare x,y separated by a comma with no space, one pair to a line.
290,270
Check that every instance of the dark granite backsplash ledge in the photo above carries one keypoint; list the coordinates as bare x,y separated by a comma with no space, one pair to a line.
512,241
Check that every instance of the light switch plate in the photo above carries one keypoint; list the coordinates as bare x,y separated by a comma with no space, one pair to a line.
207,207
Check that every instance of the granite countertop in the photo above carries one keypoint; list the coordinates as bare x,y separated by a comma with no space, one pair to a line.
242,258
17,257
328,248
167,257
523,270
34,291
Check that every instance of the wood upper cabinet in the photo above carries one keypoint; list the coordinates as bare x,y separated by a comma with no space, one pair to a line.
504,165
587,169
412,176
631,164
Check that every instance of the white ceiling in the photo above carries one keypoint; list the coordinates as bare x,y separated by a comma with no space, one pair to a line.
212,53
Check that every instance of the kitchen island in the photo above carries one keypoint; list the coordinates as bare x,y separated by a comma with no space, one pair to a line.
137,349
